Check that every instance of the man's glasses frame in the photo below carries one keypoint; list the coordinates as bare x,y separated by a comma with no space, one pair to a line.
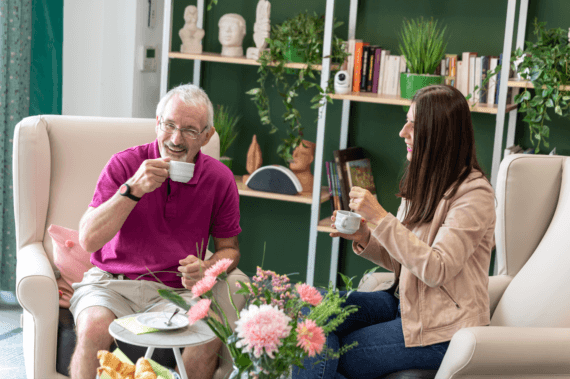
170,128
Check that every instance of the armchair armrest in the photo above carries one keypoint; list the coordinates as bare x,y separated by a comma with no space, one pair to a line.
376,281
36,290
507,352
497,286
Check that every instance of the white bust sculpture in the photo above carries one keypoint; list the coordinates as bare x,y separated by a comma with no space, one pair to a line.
232,31
190,35
261,29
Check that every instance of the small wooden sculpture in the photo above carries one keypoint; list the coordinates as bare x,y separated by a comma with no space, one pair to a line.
303,156
254,159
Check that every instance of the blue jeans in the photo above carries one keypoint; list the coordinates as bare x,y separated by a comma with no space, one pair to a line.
377,326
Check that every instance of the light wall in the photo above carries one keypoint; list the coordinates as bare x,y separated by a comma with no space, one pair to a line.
101,48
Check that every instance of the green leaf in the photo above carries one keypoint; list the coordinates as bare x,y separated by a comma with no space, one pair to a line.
550,103
526,95
174,298
558,110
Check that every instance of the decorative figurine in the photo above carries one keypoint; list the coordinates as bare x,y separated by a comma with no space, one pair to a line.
303,156
254,158
232,31
190,35
261,29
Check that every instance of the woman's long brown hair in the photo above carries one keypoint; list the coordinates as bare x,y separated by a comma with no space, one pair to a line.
443,154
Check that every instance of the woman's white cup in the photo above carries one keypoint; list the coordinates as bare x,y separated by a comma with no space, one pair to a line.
347,222
181,171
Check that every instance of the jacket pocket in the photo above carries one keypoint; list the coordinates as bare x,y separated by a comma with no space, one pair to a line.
446,292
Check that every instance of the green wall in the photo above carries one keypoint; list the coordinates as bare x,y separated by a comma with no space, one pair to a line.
283,226
46,62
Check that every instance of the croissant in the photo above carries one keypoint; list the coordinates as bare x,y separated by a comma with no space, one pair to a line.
114,366
144,370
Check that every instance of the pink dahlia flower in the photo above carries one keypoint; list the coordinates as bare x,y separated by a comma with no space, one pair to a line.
219,267
199,310
261,328
310,337
203,286
309,294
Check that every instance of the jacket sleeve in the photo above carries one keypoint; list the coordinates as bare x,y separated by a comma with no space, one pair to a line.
375,253
470,215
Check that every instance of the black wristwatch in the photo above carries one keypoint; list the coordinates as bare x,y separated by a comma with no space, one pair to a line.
125,190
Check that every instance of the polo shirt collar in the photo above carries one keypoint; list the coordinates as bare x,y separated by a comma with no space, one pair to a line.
198,168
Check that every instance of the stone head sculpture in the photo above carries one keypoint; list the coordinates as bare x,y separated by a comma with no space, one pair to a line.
232,31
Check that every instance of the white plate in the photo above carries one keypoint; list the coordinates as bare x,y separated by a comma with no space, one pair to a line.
158,320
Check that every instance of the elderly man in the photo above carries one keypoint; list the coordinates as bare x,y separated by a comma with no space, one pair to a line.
140,218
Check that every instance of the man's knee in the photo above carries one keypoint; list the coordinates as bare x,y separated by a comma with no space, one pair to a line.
93,325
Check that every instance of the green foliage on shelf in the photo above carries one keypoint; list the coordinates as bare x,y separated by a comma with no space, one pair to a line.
545,63
225,122
423,45
306,33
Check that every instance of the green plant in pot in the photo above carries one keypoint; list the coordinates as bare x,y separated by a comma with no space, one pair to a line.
546,64
299,37
225,122
423,45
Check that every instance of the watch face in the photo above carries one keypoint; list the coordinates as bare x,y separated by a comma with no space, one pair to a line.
123,190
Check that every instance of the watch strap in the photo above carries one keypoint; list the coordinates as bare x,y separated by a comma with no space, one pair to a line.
128,193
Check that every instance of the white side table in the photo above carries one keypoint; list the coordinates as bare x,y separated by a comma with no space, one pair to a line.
190,335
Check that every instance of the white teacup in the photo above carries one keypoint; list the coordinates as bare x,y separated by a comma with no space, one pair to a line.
181,171
347,222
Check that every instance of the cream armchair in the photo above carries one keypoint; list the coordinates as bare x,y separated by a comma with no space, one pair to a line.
529,335
57,161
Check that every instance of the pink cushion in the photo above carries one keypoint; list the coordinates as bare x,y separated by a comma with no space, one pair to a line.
70,258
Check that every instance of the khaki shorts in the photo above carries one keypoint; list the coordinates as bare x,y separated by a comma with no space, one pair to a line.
122,296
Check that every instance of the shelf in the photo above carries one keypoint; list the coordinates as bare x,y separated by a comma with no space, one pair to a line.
325,226
369,97
303,197
526,84
215,57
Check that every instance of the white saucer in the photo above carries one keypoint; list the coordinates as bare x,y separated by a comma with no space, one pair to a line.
346,231
158,320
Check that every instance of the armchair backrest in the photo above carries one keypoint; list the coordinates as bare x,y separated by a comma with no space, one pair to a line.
533,241
57,161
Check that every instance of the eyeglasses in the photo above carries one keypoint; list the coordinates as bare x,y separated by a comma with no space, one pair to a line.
170,128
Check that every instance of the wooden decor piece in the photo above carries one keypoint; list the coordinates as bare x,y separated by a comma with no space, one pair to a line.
254,158
303,156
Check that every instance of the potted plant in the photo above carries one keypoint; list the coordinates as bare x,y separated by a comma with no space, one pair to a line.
225,123
300,35
423,46
546,64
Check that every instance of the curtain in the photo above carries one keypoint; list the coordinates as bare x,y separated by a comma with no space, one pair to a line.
15,44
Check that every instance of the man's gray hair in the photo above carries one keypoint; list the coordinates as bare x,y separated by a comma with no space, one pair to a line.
190,94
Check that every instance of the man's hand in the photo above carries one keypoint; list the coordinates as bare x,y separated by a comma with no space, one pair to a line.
150,175
192,269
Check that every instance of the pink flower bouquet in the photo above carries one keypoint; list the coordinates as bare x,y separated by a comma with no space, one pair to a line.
271,333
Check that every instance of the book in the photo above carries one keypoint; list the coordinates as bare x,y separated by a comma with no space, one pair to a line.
493,61
472,70
364,72
331,194
460,79
359,173
340,159
377,57
483,88
370,71
357,70
350,59
451,63
336,205
341,202
477,80
393,72
382,75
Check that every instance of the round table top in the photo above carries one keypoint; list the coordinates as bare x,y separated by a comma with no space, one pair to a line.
189,335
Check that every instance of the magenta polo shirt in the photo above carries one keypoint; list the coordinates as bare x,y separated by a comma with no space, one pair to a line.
167,223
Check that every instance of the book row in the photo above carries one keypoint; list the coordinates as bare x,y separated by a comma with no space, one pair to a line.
350,168
374,69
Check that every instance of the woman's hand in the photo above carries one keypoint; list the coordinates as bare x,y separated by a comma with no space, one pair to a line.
361,236
366,205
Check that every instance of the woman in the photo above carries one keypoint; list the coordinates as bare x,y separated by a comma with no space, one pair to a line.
439,248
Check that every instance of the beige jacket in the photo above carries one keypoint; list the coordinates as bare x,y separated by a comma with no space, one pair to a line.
442,266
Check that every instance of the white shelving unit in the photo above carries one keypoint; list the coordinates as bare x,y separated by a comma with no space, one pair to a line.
320,193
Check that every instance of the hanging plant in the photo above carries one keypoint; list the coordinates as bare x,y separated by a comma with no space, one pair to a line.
304,33
545,63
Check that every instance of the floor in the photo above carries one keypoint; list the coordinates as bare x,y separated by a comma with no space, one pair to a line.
11,351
